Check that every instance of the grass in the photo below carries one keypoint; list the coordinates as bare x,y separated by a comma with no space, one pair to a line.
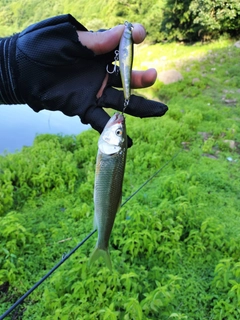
175,245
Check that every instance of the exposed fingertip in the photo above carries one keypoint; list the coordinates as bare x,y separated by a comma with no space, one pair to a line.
139,33
152,75
143,79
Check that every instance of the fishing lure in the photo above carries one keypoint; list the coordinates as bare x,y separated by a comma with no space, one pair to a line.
125,57
126,61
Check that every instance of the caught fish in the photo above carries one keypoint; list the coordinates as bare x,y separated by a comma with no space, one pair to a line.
126,60
110,166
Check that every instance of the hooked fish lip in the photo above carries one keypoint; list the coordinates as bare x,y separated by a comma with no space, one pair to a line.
117,118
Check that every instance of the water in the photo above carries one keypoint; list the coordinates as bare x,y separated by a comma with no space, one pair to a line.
19,125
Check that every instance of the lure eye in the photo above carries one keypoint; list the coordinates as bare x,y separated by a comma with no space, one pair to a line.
118,132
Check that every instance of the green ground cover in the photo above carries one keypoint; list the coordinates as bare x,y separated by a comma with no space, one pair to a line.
175,246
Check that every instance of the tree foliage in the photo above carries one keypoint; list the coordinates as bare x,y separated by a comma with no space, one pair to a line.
217,16
178,21
194,19
164,19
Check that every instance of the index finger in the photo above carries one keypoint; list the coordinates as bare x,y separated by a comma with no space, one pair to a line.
106,41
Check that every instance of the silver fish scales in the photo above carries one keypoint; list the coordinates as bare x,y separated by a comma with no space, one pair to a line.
110,166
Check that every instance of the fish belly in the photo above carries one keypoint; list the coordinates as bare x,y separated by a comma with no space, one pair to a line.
107,195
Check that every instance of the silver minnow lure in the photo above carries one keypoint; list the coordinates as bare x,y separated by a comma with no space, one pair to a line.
110,166
126,59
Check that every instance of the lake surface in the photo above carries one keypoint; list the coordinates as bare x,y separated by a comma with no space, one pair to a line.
19,125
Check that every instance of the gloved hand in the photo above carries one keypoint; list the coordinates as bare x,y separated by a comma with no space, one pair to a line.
47,67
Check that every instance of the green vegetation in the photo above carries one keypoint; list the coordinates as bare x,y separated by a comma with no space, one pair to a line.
200,19
174,246
188,20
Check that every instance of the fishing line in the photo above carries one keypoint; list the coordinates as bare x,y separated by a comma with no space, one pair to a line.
65,257
149,179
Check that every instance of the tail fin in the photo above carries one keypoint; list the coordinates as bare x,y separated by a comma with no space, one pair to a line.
97,253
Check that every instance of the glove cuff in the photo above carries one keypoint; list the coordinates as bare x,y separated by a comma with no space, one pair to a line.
9,93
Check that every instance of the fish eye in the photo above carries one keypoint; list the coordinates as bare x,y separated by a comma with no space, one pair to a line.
118,132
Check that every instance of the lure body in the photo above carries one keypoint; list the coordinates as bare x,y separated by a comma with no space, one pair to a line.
110,166
126,59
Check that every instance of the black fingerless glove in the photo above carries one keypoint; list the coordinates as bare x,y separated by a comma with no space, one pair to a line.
47,67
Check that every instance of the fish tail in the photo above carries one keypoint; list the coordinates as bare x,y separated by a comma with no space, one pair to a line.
97,253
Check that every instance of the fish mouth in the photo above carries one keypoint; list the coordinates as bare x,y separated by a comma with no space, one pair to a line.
116,118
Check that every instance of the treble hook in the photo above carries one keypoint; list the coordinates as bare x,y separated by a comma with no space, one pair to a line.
116,58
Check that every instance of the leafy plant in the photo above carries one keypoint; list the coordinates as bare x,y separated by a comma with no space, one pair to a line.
174,245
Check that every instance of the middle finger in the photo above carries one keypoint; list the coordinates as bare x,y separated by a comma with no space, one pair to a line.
139,79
